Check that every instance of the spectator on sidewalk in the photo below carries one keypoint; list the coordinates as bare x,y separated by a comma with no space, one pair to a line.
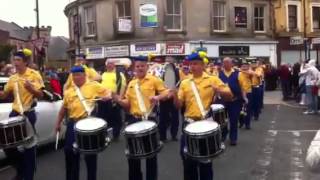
284,74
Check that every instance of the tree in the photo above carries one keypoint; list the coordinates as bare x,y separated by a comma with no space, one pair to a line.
5,52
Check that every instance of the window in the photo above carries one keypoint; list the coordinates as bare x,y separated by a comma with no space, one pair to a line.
124,16
174,15
240,17
259,18
90,21
293,17
219,16
316,18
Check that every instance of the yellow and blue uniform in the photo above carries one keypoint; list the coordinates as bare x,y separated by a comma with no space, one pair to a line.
256,92
110,111
76,111
25,161
91,74
236,83
247,88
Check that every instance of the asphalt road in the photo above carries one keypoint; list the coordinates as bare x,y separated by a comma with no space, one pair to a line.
274,149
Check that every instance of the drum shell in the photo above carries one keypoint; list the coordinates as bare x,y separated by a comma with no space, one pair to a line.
91,141
143,144
14,133
204,145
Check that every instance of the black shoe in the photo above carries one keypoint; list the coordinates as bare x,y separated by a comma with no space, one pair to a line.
256,118
240,125
16,178
248,128
233,143
174,139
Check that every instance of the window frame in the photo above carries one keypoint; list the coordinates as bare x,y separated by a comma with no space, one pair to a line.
259,18
117,17
166,15
225,16
298,4
311,17
94,20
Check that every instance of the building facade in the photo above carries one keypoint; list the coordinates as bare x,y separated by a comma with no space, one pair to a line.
297,28
123,28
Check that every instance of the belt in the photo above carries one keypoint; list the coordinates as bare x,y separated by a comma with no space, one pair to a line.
256,86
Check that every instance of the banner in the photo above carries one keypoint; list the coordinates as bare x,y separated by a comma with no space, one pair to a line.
148,15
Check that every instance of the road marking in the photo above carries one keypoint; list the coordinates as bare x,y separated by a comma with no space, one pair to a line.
293,131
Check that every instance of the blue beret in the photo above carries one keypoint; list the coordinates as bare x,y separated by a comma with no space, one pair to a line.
20,54
77,69
81,56
140,58
194,57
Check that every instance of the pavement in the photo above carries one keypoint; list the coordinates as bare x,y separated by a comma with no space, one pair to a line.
274,149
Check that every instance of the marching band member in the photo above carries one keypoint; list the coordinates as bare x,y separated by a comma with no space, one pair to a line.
232,77
115,81
25,85
169,114
139,99
91,73
245,76
77,110
261,68
184,72
207,86
256,89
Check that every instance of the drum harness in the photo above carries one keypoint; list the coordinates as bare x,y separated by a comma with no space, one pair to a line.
141,103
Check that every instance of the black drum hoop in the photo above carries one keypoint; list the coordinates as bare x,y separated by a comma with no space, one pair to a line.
142,133
145,156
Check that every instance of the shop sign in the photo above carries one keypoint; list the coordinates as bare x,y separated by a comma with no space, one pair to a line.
234,50
117,51
95,53
145,49
296,40
175,48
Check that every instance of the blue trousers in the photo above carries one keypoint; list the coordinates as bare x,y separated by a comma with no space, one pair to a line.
255,102
72,158
262,94
135,172
192,169
234,109
169,116
247,119
24,162
112,114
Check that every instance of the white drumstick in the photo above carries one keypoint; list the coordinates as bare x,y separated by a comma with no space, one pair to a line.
57,139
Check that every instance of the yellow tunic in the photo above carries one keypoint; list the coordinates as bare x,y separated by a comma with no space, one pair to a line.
90,74
149,85
26,97
90,90
109,81
206,92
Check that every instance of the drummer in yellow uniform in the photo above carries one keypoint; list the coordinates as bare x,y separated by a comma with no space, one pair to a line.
184,71
207,87
245,77
26,86
91,73
256,89
79,109
140,97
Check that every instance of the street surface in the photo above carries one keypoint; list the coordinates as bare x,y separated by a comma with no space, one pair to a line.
274,149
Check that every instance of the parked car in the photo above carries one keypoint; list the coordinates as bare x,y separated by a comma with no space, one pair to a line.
46,110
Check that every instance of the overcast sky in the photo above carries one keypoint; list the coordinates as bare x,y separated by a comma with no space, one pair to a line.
22,12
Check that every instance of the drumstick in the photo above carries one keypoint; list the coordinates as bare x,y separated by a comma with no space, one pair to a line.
57,139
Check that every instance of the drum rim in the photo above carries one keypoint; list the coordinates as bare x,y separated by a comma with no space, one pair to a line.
218,128
17,121
152,131
103,127
143,131
18,143
146,155
79,131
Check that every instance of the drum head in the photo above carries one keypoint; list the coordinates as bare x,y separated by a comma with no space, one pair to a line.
202,126
215,107
140,127
90,124
12,120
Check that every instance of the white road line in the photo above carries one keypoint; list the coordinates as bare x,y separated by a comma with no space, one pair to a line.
293,131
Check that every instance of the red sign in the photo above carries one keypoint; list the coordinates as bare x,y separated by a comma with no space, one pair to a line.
175,49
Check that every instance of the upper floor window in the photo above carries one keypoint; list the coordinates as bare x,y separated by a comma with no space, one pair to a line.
218,16
316,18
90,21
123,10
174,15
292,17
240,17
259,18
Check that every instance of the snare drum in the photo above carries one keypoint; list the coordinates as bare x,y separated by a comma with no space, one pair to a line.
219,114
203,139
91,135
14,132
142,140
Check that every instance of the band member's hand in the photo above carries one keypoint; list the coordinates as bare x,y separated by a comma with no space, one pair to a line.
172,93
28,85
106,98
1,93
215,88
154,99
57,128
246,101
116,97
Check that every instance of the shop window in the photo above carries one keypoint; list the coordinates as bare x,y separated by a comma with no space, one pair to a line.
240,18
123,13
90,21
174,15
293,17
218,16
316,18
259,18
